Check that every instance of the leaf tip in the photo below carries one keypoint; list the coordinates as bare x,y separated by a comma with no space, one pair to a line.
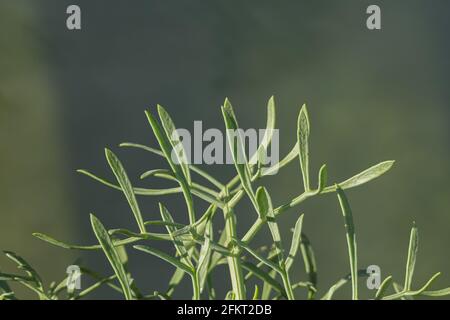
108,153
93,218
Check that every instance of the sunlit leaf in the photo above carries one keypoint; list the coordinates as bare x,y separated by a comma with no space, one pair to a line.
174,139
295,243
112,255
303,131
237,149
351,239
124,182
412,257
268,133
165,257
363,177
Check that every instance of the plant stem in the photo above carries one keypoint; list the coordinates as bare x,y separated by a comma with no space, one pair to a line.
230,229
189,202
351,240
234,262
195,287
251,233
287,285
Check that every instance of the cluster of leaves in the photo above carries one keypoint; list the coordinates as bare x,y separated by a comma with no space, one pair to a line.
196,251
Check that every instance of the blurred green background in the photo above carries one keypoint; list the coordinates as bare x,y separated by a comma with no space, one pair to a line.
372,96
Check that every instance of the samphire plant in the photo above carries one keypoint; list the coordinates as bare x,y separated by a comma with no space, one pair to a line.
198,248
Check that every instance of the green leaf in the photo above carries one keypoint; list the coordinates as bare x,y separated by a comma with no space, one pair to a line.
303,131
230,295
323,176
7,296
206,197
199,190
272,256
383,287
155,192
268,133
351,239
437,293
273,225
296,239
143,147
238,151
177,276
265,295
309,262
112,255
179,246
425,286
64,245
174,139
204,258
256,293
5,290
339,284
25,281
146,236
412,256
95,286
262,275
161,296
165,257
159,173
199,225
123,256
264,202
164,223
22,264
363,177
125,184
161,154
138,191
265,261
402,293
166,148
96,276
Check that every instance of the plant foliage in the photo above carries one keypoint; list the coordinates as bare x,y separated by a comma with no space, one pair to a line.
197,252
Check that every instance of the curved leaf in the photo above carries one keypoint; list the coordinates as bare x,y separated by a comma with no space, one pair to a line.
268,133
363,177
296,239
412,257
138,191
64,245
174,140
112,255
124,182
237,149
303,131
165,257
351,239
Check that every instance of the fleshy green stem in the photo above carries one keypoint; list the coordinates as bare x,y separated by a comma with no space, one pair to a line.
287,285
195,287
234,262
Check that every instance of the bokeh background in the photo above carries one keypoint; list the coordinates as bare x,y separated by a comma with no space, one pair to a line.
372,96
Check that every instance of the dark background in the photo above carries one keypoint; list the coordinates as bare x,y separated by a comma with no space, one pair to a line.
372,96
